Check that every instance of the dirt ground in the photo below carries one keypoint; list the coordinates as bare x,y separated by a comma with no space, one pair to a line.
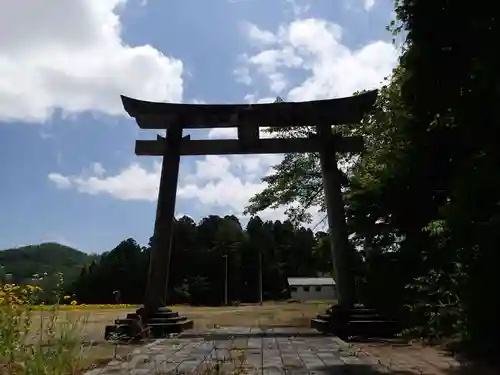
415,358
402,358
267,315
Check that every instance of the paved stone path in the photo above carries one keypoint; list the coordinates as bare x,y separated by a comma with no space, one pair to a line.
294,351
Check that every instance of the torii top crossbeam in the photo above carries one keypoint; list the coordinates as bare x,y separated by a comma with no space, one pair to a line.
151,115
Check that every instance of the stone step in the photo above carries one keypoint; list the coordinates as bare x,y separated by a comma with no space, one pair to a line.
164,315
169,324
164,309
373,317
161,323
363,312
161,312
370,328
325,317
172,319
121,331
329,317
159,330
353,311
124,321
320,324
359,328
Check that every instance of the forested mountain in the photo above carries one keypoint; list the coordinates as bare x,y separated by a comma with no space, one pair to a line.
197,272
26,261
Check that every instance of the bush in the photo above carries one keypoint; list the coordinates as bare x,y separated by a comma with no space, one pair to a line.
35,342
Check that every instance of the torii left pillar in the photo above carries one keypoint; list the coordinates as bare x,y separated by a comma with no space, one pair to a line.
161,250
155,314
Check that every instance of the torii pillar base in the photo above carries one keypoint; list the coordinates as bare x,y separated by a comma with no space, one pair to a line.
357,322
162,323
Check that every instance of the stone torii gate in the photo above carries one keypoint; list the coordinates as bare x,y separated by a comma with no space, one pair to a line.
174,118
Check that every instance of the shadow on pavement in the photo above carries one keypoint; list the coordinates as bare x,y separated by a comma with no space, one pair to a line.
362,370
231,335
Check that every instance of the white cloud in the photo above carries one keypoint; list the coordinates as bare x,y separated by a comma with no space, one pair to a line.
131,183
223,133
231,192
98,169
213,167
225,183
267,63
61,181
333,68
69,55
232,133
257,35
198,101
299,7
254,99
368,4
228,181
242,74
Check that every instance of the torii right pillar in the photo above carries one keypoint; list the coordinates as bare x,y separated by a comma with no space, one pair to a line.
344,319
339,241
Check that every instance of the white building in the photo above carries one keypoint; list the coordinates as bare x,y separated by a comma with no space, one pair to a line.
312,288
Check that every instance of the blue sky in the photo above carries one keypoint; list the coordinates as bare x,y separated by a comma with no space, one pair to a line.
69,173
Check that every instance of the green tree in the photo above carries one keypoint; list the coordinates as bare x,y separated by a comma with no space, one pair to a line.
197,267
423,200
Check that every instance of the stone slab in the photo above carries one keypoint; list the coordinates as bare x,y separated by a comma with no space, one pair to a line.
273,351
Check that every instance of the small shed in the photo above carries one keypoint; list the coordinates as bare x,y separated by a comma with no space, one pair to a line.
312,288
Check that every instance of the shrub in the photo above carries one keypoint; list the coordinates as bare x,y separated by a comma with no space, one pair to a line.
35,342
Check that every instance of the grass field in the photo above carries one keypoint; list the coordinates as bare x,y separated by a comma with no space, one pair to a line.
96,352
91,322
267,315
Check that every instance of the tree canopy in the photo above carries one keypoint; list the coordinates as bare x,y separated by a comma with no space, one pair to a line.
197,273
423,202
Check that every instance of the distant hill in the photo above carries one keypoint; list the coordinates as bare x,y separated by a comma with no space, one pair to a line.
23,262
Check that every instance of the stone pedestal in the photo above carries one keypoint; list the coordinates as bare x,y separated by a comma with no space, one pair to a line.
356,322
160,323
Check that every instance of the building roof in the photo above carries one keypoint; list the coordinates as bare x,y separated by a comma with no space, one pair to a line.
299,281
155,115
